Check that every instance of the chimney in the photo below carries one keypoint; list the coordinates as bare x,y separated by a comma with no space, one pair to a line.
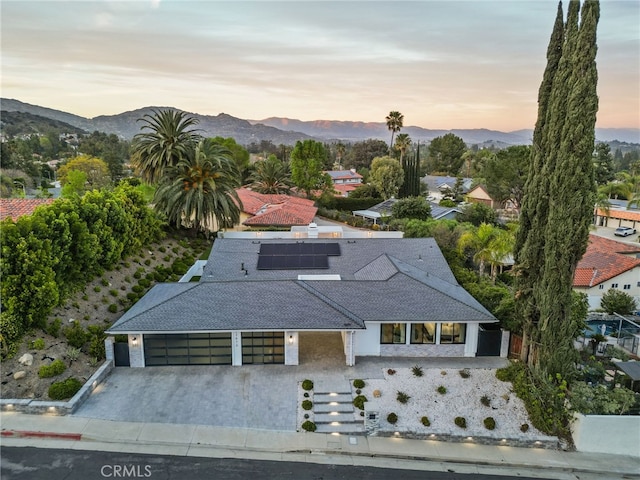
312,230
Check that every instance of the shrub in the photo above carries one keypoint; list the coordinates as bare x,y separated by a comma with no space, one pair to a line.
147,262
137,275
85,297
73,353
137,288
113,308
113,292
417,371
162,249
442,389
167,258
55,368
132,296
425,421
96,348
358,383
76,335
524,427
402,397
309,426
392,418
485,401
75,305
144,283
461,422
65,389
53,328
307,404
307,385
504,375
359,402
97,289
104,282
179,268
391,371
489,423
464,373
38,344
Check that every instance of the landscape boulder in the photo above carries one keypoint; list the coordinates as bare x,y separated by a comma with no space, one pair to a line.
19,375
26,359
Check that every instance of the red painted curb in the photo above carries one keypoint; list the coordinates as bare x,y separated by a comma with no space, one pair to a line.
28,434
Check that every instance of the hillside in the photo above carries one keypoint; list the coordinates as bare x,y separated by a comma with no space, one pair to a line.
23,123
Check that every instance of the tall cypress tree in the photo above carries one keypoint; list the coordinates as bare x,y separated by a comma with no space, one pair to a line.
530,239
572,191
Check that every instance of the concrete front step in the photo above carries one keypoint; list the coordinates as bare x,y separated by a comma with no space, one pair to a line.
327,407
328,418
340,397
344,428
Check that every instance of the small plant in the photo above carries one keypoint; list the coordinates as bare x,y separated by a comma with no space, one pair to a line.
147,262
377,393
417,371
137,275
73,353
104,300
127,279
524,427
104,282
86,317
461,422
464,373
93,362
307,385
97,289
37,344
75,305
358,383
391,371
76,335
484,400
392,418
307,404
123,288
85,297
425,421
145,283
126,264
442,389
167,258
309,426
53,328
65,389
55,368
402,397
113,292
442,372
137,289
359,401
489,423
162,249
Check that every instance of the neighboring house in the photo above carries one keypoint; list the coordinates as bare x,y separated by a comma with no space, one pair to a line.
345,181
261,210
259,295
617,217
17,207
439,186
605,265
479,194
383,209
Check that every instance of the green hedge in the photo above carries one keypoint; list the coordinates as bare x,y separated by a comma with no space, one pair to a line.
65,389
347,204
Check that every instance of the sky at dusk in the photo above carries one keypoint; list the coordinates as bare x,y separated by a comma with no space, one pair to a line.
443,64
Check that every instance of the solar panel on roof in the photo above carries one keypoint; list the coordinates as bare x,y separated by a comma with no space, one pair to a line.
296,256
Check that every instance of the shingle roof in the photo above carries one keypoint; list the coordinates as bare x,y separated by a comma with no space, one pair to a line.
17,207
342,174
382,280
604,260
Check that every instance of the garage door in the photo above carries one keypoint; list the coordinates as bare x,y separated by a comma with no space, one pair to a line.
188,349
262,347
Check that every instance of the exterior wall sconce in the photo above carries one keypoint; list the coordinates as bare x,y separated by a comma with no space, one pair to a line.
290,339
134,341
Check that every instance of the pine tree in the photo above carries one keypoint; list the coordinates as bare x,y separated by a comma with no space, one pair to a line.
533,216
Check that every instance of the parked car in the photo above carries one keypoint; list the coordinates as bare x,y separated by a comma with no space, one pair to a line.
624,231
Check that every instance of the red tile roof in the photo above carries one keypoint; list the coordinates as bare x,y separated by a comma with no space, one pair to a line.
620,214
275,210
345,188
603,260
17,207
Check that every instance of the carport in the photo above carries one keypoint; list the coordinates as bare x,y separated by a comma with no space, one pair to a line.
632,369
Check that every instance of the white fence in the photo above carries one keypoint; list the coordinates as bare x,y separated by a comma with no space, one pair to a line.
613,434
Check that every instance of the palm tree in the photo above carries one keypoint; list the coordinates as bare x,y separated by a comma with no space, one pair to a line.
340,149
403,141
166,139
394,124
271,176
199,192
489,244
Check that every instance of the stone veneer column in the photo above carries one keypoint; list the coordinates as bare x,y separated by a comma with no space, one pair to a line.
291,348
136,350
236,349
504,345
349,349
108,349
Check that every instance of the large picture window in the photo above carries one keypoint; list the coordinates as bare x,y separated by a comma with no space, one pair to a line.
423,333
453,333
393,333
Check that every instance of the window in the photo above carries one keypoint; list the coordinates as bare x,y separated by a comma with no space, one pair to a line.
627,287
614,285
423,333
453,333
601,287
393,333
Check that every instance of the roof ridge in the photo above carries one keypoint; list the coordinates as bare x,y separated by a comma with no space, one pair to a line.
331,303
440,285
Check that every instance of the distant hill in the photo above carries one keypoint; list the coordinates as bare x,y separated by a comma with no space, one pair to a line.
19,123
287,131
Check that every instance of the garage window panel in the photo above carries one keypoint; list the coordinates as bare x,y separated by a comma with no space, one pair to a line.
262,347
188,349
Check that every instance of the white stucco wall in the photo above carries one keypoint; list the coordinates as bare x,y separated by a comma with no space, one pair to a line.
630,277
367,342
613,434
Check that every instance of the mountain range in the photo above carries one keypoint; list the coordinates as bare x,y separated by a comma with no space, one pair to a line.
288,131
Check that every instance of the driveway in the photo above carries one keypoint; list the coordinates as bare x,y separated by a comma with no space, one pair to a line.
249,396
